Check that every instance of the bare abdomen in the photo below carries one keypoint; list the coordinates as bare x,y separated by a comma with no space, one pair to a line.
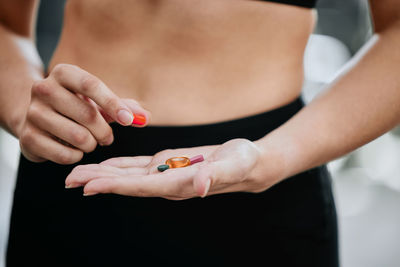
190,62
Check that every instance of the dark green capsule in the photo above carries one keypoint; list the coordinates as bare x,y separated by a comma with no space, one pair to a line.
163,167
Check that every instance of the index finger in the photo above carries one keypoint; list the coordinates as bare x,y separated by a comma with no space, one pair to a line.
80,81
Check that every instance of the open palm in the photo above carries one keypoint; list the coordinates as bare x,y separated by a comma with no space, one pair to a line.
226,168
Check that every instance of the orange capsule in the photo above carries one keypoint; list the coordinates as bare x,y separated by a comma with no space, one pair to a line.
139,119
178,162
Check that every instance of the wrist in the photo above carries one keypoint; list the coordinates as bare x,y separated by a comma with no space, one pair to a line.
270,166
278,158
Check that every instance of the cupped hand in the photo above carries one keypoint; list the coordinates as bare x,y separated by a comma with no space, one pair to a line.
231,167
69,114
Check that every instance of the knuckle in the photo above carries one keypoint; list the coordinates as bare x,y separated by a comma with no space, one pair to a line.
111,102
63,157
35,112
89,84
59,70
27,138
79,137
84,141
90,146
90,115
110,186
105,135
41,88
66,157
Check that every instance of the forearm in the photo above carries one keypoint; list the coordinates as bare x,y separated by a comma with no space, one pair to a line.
20,66
357,108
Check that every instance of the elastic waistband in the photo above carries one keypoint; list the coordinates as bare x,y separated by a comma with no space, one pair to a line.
251,127
271,116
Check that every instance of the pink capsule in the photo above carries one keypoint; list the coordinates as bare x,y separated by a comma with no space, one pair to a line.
195,159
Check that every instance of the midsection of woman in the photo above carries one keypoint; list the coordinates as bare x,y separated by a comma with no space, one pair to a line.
190,62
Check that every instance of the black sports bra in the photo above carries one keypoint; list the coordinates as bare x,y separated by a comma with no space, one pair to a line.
302,3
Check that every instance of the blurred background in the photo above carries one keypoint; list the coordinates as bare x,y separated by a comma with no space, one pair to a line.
366,181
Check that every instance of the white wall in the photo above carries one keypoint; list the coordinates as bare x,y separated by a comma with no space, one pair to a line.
9,155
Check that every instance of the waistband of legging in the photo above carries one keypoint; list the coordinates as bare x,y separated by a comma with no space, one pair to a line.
251,127
273,116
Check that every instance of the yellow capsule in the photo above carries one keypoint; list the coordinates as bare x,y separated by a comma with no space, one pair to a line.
178,162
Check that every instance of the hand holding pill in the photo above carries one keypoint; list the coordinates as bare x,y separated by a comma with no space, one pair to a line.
69,115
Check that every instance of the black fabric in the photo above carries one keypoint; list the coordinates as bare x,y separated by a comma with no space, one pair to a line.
302,3
291,224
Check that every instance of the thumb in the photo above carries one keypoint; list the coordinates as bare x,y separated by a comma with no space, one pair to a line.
141,116
209,175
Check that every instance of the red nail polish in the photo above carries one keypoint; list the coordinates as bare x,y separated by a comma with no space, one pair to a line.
139,119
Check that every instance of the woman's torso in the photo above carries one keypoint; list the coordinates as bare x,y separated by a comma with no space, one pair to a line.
190,62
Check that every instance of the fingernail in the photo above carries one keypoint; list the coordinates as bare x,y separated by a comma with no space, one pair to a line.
139,119
125,117
69,186
207,188
89,194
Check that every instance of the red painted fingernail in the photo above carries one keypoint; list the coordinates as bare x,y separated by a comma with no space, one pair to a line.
195,159
139,119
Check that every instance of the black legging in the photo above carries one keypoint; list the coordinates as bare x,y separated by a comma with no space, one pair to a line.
291,224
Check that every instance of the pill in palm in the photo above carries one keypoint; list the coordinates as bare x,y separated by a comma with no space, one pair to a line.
179,162
163,167
195,159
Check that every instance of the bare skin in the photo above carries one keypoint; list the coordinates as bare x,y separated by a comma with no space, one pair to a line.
176,62
194,59
183,57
